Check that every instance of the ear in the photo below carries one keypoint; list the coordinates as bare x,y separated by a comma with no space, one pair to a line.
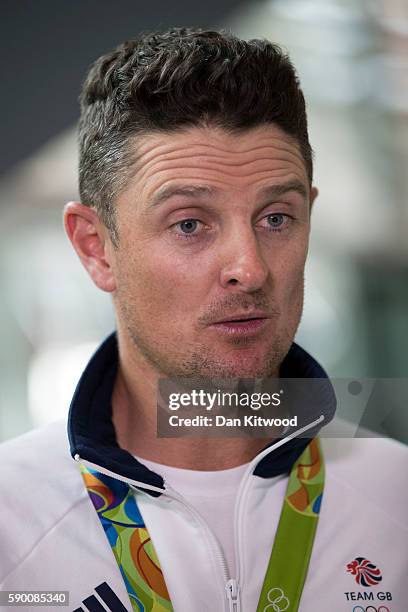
91,241
314,192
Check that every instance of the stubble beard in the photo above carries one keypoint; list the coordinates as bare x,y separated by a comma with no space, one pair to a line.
198,363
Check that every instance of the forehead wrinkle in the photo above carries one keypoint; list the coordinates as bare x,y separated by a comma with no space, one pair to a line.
147,152
223,160
215,152
215,163
231,175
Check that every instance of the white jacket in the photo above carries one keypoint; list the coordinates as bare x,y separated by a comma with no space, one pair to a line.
51,537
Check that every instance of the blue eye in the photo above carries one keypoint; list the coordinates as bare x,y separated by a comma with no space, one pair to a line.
188,229
276,219
188,226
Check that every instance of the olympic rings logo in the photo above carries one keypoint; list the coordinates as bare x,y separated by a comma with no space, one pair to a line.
371,609
279,603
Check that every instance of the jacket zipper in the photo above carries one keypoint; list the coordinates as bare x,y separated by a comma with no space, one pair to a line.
232,586
233,595
212,541
243,494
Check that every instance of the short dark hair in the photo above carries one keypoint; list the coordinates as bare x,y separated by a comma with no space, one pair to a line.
175,79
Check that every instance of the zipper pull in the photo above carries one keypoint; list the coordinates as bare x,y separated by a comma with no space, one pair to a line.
233,595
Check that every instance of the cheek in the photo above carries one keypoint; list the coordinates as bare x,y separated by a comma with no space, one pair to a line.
157,281
287,270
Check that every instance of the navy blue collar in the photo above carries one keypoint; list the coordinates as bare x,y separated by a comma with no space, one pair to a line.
92,434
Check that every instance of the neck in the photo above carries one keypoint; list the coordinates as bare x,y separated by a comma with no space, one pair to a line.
134,410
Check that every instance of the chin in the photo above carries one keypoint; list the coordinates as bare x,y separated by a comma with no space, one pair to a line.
251,372
252,366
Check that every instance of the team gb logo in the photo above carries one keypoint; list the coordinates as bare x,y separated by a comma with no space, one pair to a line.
366,573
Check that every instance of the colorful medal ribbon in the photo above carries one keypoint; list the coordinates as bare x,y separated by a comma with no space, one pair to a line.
292,547
134,552
117,509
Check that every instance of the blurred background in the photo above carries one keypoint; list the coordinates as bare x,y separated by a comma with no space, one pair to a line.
352,58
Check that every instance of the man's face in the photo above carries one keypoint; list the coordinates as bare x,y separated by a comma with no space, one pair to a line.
213,227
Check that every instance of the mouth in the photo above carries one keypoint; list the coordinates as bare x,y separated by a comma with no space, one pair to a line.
242,324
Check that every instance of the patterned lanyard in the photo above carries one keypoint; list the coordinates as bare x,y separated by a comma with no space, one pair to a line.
117,509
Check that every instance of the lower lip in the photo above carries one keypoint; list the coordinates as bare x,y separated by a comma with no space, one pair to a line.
240,328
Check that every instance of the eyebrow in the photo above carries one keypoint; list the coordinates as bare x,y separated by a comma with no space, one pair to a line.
191,191
269,192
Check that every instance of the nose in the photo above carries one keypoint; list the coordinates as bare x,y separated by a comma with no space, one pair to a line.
243,264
